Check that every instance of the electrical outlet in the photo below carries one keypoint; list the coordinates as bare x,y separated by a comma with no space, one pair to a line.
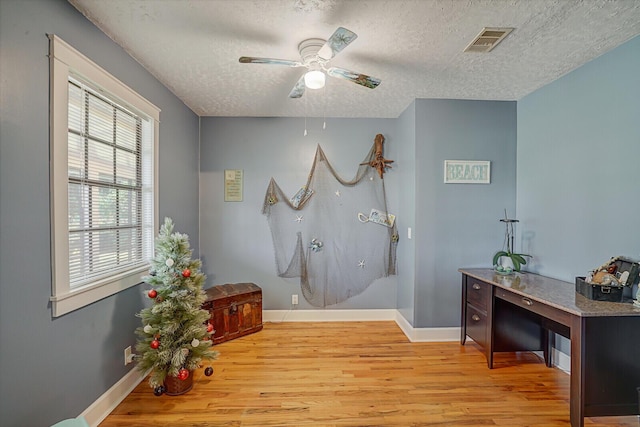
128,356
294,299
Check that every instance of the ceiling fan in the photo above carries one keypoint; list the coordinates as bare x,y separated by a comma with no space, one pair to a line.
315,55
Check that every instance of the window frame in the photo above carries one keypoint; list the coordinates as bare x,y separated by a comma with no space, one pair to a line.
65,61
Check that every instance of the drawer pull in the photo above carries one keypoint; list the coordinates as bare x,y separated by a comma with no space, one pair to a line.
475,318
476,286
527,301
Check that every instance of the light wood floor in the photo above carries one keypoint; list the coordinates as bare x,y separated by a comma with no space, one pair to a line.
359,374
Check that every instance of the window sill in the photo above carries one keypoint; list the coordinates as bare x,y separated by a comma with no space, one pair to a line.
67,302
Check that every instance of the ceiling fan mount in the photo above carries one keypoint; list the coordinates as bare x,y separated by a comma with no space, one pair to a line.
309,50
316,54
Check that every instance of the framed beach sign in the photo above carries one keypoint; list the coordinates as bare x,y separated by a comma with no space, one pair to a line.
467,172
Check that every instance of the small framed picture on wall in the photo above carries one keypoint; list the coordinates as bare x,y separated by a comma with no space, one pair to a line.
467,172
233,185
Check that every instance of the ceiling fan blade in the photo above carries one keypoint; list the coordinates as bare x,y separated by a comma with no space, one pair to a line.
338,41
361,79
298,89
273,61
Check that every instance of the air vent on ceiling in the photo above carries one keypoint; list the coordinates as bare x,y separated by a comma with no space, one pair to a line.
487,39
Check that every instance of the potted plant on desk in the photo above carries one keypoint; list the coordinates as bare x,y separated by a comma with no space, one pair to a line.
507,261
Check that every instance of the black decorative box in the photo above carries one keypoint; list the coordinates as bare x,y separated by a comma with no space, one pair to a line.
599,292
611,293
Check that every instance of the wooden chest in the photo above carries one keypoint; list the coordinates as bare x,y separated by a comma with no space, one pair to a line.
235,309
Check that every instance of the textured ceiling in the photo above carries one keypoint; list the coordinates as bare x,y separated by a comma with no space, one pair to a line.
414,46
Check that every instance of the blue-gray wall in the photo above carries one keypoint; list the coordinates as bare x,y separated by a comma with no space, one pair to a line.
453,225
236,244
406,170
579,166
578,195
55,368
457,225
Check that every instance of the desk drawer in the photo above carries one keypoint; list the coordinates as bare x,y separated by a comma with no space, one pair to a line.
477,325
478,293
529,304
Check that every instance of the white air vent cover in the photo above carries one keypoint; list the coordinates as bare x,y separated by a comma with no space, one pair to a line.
487,39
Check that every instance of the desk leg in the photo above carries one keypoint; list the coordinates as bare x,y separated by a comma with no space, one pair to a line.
549,342
577,382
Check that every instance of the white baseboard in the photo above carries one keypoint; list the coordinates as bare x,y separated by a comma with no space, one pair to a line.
106,403
427,334
413,334
276,316
561,360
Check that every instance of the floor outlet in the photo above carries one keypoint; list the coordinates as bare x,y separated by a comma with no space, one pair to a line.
294,299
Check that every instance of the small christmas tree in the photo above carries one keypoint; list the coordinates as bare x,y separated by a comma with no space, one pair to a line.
175,335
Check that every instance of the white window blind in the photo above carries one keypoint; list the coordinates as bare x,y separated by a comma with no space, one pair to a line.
106,176
104,139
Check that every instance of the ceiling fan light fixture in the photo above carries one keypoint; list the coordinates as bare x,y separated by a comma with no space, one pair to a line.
315,55
314,79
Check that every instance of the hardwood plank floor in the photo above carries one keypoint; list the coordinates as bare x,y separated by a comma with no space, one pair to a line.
359,374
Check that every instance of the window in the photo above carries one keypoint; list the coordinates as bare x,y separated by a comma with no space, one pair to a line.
103,163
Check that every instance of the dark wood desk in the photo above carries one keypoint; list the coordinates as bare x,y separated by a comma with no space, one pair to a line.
519,313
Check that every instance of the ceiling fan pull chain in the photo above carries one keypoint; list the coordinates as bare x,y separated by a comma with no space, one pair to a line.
305,116
324,108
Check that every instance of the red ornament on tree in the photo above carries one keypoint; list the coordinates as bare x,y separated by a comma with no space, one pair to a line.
186,272
155,344
153,293
209,327
183,374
